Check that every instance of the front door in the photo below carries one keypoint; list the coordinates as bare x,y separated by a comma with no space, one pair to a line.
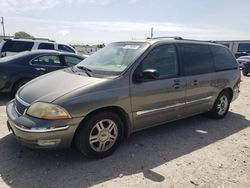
46,63
160,100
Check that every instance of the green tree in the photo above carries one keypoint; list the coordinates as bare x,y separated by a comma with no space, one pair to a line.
23,35
100,45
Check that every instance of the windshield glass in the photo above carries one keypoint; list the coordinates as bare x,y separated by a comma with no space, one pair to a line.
114,58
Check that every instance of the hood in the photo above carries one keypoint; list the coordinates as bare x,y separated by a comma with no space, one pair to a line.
51,86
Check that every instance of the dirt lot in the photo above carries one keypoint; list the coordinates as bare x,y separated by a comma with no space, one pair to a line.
195,152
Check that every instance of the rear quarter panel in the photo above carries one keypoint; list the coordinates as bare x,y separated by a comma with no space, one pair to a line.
223,79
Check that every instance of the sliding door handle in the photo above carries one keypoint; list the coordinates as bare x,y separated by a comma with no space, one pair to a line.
177,85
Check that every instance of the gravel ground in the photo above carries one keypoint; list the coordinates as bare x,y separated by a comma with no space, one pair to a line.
195,152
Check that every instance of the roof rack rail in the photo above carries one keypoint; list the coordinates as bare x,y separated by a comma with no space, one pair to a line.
200,40
180,38
44,39
168,37
213,41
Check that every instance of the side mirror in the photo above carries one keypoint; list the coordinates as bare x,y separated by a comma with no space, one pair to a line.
148,74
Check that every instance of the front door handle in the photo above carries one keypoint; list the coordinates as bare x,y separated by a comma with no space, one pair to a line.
41,69
195,83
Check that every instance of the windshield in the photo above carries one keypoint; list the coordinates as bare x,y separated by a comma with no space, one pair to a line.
114,58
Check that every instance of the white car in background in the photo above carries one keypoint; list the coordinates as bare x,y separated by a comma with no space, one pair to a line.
9,47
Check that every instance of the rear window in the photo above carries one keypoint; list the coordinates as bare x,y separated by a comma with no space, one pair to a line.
47,46
244,47
16,56
65,48
197,59
223,58
17,46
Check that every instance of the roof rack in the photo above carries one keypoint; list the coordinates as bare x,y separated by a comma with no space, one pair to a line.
168,37
43,39
180,38
213,41
35,39
200,40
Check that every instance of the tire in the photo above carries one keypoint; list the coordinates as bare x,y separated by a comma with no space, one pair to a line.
221,106
95,130
18,85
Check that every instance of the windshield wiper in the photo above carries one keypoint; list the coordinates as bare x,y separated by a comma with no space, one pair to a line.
87,71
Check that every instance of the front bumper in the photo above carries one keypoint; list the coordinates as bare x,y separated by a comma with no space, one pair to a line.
38,133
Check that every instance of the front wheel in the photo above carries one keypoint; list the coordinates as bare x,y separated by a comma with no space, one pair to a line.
100,135
221,106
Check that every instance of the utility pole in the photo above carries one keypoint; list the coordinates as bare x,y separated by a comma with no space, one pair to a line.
152,32
2,22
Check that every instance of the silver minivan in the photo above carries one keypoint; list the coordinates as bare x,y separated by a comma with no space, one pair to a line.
123,88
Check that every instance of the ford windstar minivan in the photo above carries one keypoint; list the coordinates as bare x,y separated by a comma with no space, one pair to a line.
123,88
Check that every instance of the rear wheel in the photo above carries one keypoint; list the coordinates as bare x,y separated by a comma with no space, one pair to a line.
100,135
221,106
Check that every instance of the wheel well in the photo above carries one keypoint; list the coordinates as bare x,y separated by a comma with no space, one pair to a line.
19,80
115,109
229,91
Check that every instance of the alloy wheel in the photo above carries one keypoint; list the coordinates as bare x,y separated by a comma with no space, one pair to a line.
103,135
222,105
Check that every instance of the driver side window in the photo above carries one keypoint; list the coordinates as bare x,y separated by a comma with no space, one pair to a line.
163,59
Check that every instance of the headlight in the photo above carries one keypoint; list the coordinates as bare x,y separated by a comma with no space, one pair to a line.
47,111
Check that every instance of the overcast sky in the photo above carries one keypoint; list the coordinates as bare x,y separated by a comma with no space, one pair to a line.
96,21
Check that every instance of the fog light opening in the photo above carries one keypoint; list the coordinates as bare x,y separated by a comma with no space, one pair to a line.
48,142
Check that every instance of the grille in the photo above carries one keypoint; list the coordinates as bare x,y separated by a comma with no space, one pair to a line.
19,106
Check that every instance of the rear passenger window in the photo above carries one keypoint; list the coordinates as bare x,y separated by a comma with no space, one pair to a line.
47,60
65,48
223,58
163,59
47,46
197,59
17,46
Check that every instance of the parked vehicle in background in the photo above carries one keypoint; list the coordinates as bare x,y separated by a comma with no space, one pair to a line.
17,70
240,54
242,59
123,88
244,62
9,47
238,47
